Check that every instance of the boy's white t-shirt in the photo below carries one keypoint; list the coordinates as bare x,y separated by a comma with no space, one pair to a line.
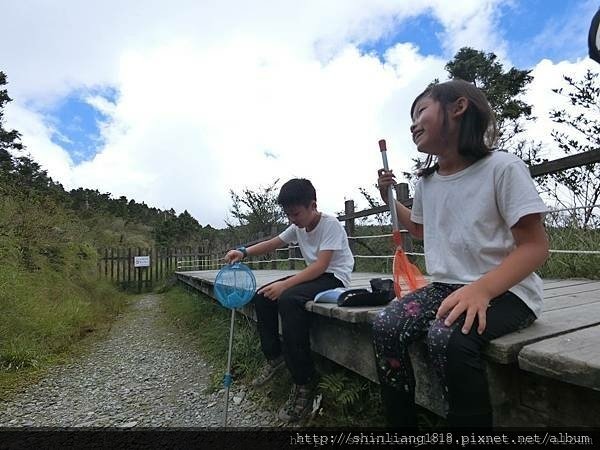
329,234
467,218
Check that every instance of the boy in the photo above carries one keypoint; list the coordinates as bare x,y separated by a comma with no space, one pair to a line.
329,262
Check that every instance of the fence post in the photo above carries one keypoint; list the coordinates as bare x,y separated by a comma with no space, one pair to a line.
291,254
138,272
402,195
350,224
149,279
112,265
205,257
274,254
129,263
123,252
261,264
106,263
161,255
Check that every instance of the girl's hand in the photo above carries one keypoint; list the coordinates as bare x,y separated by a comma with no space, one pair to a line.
385,180
274,290
470,299
233,256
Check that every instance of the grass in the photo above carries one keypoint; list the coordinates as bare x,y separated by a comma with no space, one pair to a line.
43,315
572,265
347,398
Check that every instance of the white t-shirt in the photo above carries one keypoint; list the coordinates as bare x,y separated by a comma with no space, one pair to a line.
467,218
329,234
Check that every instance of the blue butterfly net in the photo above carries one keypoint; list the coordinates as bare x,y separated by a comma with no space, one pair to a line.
235,285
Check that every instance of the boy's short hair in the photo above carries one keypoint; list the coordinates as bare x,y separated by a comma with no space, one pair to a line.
296,192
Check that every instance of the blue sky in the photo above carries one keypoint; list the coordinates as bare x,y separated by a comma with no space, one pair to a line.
77,123
421,30
175,104
533,30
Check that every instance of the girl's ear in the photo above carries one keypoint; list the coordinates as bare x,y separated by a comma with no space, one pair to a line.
459,106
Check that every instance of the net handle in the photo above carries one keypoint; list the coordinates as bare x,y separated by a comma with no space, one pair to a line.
391,199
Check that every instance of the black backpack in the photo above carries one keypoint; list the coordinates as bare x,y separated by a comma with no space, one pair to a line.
381,293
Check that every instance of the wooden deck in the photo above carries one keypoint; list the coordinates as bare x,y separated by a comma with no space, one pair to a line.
547,374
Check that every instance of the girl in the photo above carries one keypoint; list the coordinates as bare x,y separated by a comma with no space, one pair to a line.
480,217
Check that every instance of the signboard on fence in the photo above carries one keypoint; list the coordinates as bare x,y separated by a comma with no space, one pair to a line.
141,261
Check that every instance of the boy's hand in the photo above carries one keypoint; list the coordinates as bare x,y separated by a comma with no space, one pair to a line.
470,299
233,256
384,181
274,290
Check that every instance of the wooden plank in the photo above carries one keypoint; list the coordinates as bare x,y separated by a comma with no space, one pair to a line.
576,311
574,289
572,357
552,323
557,404
553,284
568,301
568,162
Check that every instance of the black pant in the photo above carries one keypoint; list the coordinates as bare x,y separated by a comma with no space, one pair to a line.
455,356
295,324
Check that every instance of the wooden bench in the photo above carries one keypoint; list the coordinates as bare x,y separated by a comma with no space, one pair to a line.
545,375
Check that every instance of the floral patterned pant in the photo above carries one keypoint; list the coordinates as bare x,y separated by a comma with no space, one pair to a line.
456,357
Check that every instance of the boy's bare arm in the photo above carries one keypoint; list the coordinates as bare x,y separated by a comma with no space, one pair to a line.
255,250
265,246
273,291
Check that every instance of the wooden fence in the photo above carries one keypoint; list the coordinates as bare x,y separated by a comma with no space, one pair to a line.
118,264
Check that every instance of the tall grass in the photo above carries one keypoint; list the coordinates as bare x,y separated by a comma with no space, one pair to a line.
572,265
43,313
49,293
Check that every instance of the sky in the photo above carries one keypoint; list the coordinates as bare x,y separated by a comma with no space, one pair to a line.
176,103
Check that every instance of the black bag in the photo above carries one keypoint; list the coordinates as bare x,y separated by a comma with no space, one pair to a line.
382,292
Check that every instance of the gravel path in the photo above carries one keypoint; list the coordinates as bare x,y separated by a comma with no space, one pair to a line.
143,374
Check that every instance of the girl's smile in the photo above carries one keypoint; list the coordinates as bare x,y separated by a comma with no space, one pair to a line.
427,127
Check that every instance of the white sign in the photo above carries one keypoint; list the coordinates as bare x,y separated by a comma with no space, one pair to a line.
141,261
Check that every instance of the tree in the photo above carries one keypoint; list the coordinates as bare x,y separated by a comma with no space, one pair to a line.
502,89
182,230
254,212
8,139
581,133
373,202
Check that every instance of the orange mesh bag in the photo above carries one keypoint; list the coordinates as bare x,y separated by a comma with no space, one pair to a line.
404,270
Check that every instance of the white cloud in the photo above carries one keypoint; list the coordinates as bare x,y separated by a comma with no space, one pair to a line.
207,88
547,76
36,135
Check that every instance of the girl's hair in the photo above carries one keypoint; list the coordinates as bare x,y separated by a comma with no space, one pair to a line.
478,124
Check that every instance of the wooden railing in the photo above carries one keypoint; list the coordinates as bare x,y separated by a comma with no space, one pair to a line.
117,264
402,194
